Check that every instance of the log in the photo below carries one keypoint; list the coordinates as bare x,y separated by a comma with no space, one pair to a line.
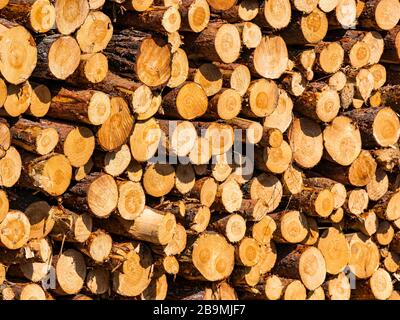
358,174
367,223
316,202
85,106
303,263
364,256
97,246
387,158
151,226
195,15
34,137
19,53
378,186
164,174
131,200
98,280
18,99
97,194
70,226
270,57
14,230
357,201
385,207
70,15
247,252
10,168
308,28
58,57
338,288
159,19
40,100
291,227
50,174
379,127
179,68
114,162
274,14
133,60
95,32
282,116
275,160
205,190
246,10
335,249
5,140
330,56
305,138
212,258
115,131
261,99
186,102
39,16
69,280
318,104
379,287
233,226
342,140
219,41
382,15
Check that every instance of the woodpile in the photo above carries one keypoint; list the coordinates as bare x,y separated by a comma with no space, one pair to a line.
199,149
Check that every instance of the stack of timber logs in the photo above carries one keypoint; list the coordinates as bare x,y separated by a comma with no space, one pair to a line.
200,149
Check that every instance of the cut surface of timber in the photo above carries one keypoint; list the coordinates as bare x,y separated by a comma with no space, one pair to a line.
305,138
212,256
18,54
149,59
33,137
86,106
14,230
97,194
51,173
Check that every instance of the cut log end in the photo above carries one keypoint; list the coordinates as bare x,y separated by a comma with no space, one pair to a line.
18,53
70,280
102,196
42,16
213,257
64,57
271,57
294,227
14,230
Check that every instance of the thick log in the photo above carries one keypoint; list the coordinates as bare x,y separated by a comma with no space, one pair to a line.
130,52
97,194
210,257
18,51
218,42
379,127
39,16
115,131
58,57
381,15
50,174
294,262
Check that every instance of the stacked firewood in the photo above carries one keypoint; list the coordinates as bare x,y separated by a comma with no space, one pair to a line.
122,175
